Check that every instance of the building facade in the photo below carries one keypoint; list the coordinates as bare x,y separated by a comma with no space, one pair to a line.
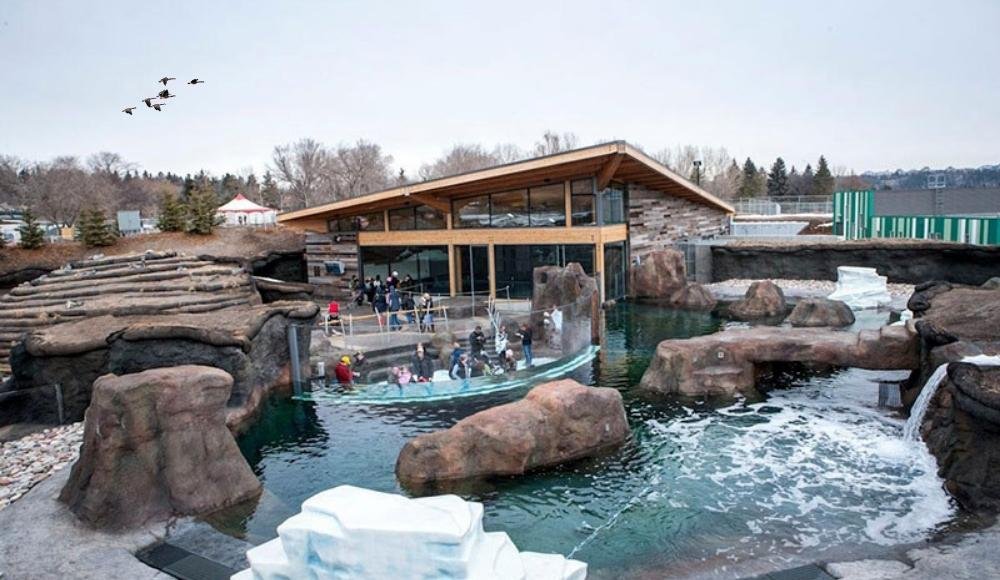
484,232
968,216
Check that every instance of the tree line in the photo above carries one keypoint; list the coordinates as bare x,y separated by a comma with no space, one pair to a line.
307,172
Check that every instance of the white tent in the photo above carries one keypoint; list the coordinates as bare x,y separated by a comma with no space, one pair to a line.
240,211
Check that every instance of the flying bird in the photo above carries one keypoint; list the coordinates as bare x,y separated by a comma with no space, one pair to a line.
147,101
165,94
158,105
128,110
196,82
165,79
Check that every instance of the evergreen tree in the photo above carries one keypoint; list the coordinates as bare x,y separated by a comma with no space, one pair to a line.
823,182
173,214
94,229
270,195
777,179
189,186
201,211
32,235
808,185
749,185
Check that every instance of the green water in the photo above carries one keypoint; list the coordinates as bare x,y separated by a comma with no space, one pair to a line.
702,489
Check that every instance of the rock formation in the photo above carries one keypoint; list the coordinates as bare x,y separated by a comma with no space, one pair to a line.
272,290
811,312
662,276
250,343
352,532
126,314
963,432
725,363
861,288
156,445
556,422
577,297
763,299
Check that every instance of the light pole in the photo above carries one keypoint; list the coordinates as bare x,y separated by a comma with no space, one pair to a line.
697,172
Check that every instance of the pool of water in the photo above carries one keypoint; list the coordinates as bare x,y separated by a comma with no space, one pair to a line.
702,489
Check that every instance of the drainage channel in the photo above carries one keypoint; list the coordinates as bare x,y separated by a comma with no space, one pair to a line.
182,564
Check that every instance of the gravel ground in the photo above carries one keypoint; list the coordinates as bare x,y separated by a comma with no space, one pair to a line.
28,461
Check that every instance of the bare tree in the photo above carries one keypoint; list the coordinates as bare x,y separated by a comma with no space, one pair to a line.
553,142
108,163
11,187
459,159
508,153
360,169
60,190
303,167
715,161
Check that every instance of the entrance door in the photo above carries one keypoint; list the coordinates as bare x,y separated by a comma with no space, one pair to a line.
473,270
614,271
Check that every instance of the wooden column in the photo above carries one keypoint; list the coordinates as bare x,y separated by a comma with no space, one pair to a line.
568,194
491,258
452,271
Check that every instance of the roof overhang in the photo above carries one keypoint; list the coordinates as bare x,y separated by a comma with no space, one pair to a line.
616,160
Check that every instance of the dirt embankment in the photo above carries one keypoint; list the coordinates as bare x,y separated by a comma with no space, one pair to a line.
18,265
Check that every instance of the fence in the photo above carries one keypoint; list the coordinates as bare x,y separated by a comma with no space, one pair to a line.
785,205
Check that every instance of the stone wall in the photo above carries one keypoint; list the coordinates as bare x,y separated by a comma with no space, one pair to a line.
901,262
321,248
657,220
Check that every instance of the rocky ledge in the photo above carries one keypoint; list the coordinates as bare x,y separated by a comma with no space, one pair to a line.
55,367
661,275
726,363
555,423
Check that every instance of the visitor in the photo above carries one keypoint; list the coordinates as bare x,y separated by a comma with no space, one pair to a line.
461,370
370,290
359,363
423,367
509,361
456,353
477,340
553,326
332,315
402,375
428,317
392,280
359,292
394,305
343,372
409,308
380,306
408,283
525,335
501,340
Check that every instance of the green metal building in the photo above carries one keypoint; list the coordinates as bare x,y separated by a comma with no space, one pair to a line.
970,216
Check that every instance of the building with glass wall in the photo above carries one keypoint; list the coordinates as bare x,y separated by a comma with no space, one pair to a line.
484,231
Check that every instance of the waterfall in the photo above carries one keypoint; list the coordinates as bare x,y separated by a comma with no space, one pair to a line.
911,431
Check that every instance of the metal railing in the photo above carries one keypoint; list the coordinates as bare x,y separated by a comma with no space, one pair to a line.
784,205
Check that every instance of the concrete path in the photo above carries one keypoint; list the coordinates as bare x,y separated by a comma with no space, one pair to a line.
40,538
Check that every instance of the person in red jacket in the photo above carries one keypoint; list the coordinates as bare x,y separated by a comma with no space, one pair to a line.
343,372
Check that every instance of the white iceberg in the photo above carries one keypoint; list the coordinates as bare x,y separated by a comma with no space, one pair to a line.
861,288
353,533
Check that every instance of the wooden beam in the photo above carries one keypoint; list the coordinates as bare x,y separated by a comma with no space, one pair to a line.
568,195
439,204
491,257
452,271
608,171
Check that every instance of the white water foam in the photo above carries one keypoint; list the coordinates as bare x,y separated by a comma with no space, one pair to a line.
911,432
807,469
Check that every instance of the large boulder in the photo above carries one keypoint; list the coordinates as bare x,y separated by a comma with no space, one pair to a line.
155,445
576,295
692,296
964,312
359,533
658,274
556,422
764,299
821,312
725,363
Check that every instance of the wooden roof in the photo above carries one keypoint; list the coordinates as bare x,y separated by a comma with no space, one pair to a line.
608,161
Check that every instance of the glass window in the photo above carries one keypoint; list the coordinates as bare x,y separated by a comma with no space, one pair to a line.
582,207
471,212
548,205
427,266
582,254
402,219
371,222
510,209
583,186
429,218
613,204
342,225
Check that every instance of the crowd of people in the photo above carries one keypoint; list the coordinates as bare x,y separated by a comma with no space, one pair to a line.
462,363
395,301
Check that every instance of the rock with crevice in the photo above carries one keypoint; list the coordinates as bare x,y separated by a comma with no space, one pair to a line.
815,312
555,423
658,274
155,446
726,363
763,299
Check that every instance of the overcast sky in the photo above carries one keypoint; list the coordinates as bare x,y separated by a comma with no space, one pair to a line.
871,84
